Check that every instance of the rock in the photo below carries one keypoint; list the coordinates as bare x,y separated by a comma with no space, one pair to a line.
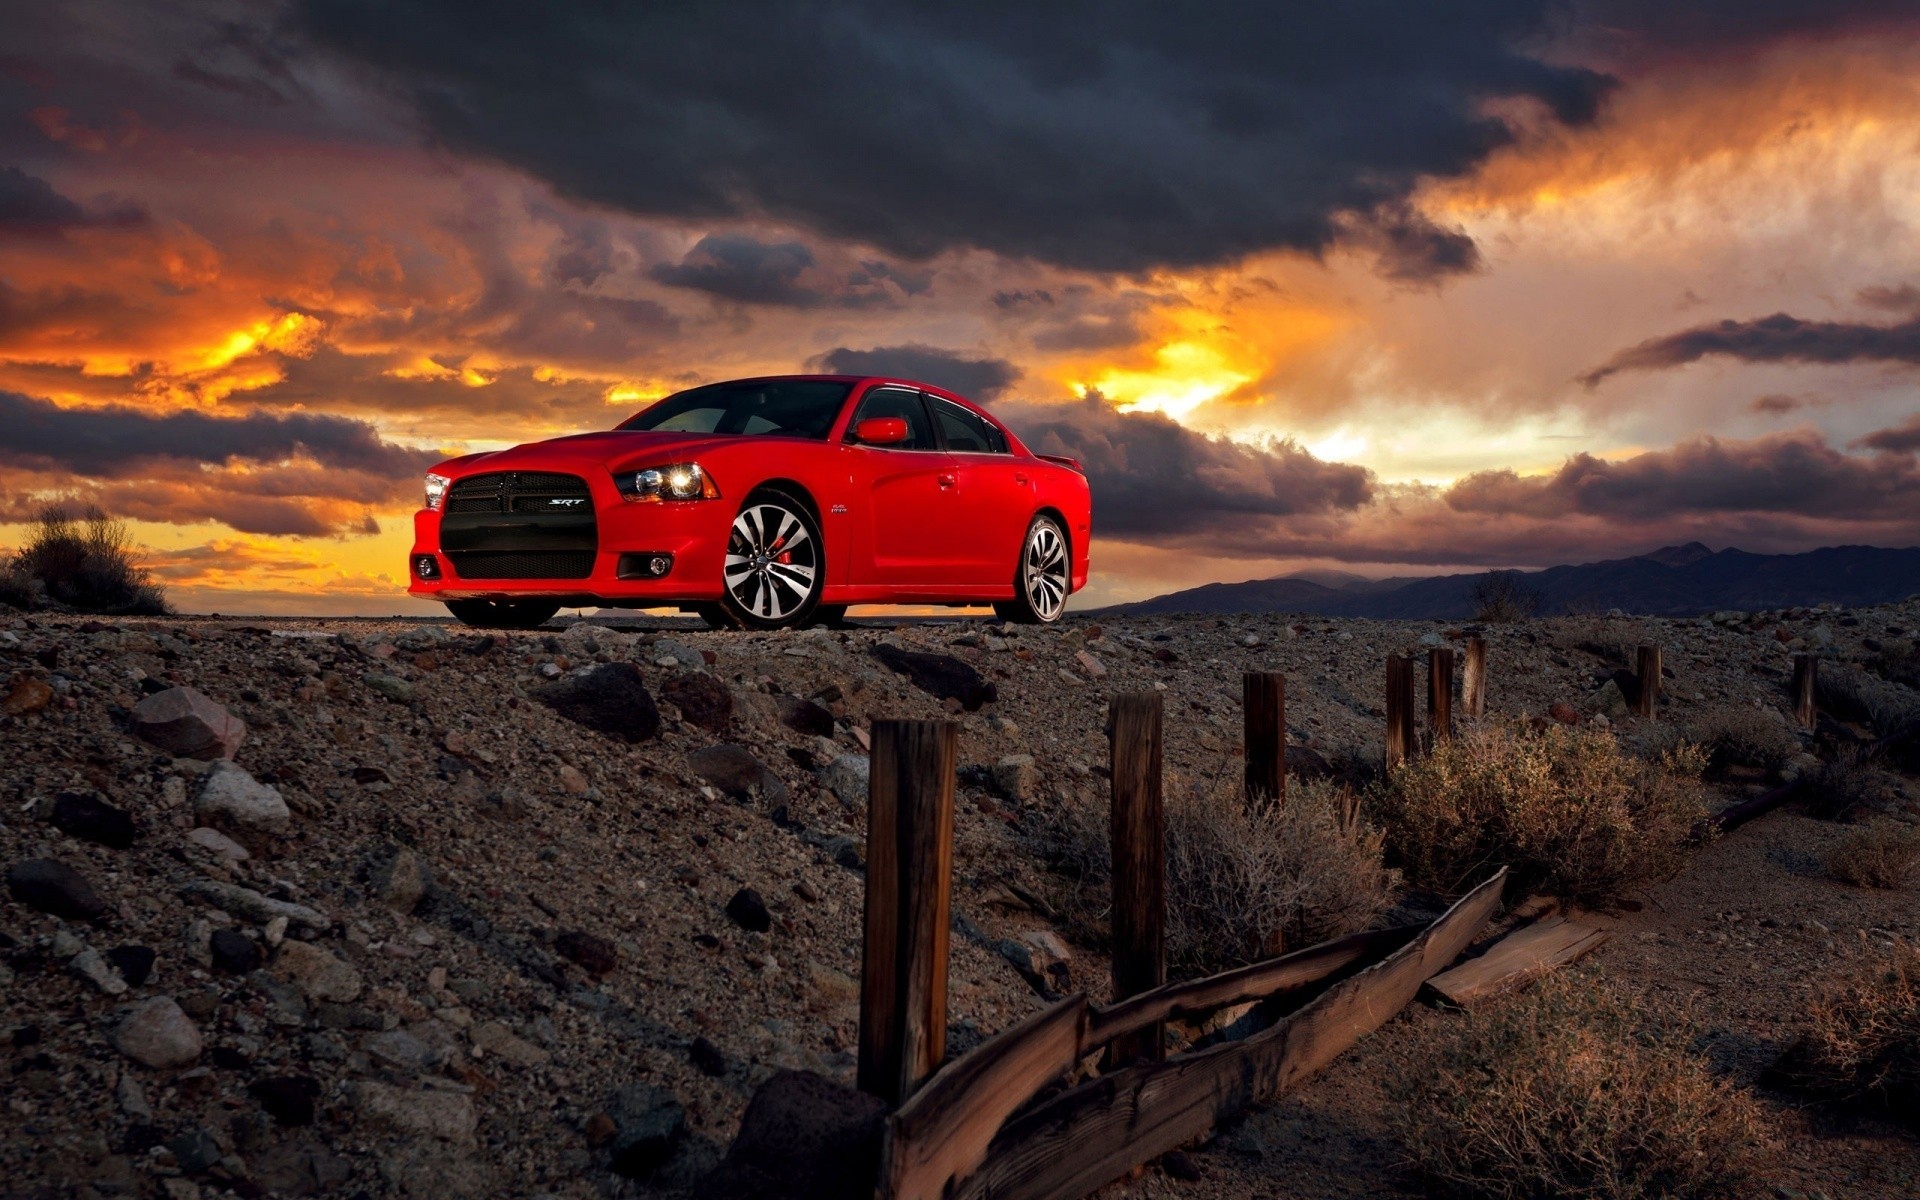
93,967
702,700
288,1099
1094,668
26,695
1611,698
54,887
91,819
1564,713
301,1169
1250,641
803,1137
749,911
394,688
399,878
669,653
596,954
647,1124
317,972
939,675
1016,777
195,1151
448,1116
231,795
850,778
156,1033
707,1058
218,843
233,952
403,1051
1308,764
495,1040
421,637
1178,1164
187,724
425,1171
247,903
611,698
134,963
734,770
573,780
132,1098
804,716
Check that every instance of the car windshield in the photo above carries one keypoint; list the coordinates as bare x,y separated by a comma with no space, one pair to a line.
780,407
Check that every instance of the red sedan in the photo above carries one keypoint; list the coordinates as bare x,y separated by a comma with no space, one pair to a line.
762,503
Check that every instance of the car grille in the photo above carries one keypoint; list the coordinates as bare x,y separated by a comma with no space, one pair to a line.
519,491
522,564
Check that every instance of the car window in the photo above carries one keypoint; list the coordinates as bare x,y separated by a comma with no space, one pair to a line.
897,402
967,432
784,407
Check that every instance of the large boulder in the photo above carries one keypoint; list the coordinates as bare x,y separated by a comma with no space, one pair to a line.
611,698
940,675
54,887
232,797
187,724
735,771
158,1034
91,819
317,972
804,716
804,1137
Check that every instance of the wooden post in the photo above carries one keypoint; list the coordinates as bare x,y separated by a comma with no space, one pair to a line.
1139,861
1440,693
903,973
1648,668
1806,671
1264,709
1473,678
1399,710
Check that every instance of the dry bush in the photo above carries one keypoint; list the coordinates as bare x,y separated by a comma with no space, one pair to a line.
88,565
1852,695
1861,1047
1244,880
1503,597
1743,736
1842,787
1572,1089
1881,855
1563,808
1898,662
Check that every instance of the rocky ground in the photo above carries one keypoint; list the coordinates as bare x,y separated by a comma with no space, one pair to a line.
402,909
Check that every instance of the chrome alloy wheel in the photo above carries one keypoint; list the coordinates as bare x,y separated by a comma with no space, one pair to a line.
1043,570
772,562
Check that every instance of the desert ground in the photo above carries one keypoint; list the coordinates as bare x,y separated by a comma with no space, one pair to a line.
426,935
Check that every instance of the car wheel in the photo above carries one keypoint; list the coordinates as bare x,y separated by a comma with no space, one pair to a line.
503,614
774,570
1042,577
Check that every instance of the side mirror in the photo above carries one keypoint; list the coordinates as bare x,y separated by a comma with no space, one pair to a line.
881,431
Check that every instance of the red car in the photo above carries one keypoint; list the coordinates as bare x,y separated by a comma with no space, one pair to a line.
762,503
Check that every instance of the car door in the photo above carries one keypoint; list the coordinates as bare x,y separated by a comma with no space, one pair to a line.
994,491
911,516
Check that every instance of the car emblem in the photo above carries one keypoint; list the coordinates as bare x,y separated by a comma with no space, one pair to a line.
566,503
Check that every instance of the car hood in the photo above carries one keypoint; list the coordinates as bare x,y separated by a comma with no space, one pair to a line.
612,448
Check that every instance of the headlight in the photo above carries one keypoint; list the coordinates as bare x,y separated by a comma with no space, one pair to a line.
674,481
436,490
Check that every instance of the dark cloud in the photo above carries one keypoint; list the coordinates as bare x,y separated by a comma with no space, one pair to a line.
1902,299
30,205
1154,479
1115,135
1410,248
1899,439
1791,474
978,379
1774,339
117,442
745,270
1776,404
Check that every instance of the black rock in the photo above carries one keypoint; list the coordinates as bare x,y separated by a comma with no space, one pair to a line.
707,1058
1308,763
940,675
92,819
647,1123
803,1137
1178,1164
54,887
735,771
598,955
234,953
229,1059
701,699
195,1151
612,699
288,1099
749,911
141,1137
134,963
804,716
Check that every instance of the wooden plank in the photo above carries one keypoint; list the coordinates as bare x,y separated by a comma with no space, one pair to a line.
1293,972
1092,1134
942,1133
1139,859
1518,959
1473,678
1647,671
1440,693
1264,713
1399,710
1806,673
903,970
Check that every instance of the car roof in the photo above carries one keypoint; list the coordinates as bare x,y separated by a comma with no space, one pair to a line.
899,380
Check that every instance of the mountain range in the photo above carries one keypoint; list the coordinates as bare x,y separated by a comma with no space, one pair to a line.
1675,581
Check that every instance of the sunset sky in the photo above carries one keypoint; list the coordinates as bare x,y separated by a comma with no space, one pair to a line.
1382,287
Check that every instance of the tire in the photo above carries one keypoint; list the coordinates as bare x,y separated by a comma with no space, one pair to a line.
503,614
1042,578
775,567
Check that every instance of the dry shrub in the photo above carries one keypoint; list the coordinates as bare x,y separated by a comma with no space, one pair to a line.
1743,736
1899,662
88,565
1842,787
1861,1047
1881,855
1563,808
1572,1089
1853,695
1244,880
1503,597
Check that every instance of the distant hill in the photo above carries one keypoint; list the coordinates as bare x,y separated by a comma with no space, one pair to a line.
1672,582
